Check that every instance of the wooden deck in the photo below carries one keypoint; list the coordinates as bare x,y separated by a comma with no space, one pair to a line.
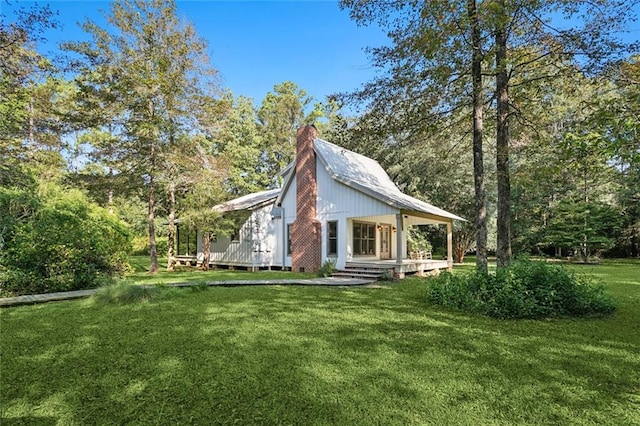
408,266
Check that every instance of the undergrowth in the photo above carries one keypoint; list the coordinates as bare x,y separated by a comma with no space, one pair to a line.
125,292
525,289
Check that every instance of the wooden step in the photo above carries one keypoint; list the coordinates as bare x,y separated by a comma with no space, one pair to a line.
363,271
356,265
357,275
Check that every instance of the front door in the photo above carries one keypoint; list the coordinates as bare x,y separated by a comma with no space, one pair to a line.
385,241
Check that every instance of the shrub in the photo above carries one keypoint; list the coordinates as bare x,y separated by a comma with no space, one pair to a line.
524,290
387,275
59,241
327,268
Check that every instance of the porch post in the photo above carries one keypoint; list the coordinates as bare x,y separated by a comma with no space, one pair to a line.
449,245
399,239
398,273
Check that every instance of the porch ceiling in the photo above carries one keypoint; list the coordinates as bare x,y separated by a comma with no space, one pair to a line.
409,218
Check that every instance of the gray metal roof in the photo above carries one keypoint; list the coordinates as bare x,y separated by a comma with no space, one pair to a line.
349,168
367,175
250,201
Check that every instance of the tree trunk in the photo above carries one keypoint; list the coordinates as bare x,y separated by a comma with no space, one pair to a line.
206,250
478,124
152,231
110,191
503,249
171,231
32,127
459,253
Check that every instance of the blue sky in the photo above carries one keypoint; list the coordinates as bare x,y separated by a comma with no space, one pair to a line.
257,44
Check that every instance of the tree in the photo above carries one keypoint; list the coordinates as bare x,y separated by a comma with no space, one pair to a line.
155,67
434,72
617,119
583,227
205,191
22,74
281,114
429,68
236,137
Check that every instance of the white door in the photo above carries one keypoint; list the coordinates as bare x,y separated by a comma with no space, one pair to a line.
385,242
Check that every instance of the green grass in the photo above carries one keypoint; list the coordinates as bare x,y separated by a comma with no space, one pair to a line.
141,264
312,355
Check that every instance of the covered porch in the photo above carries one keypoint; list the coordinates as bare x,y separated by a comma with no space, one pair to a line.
390,240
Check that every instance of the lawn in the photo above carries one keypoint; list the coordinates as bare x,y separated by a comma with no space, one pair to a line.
140,265
313,355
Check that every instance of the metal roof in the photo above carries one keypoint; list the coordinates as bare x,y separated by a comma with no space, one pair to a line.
349,168
367,175
250,201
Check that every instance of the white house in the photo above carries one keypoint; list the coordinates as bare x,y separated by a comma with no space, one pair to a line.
334,204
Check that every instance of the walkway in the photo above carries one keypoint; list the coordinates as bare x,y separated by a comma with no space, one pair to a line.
30,299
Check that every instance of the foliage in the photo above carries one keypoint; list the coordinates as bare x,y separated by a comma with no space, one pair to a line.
291,355
327,268
200,286
154,89
387,275
524,290
124,292
418,240
584,228
236,138
56,240
280,115
440,55
140,246
619,120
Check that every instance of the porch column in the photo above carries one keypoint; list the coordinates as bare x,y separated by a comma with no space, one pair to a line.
449,245
399,228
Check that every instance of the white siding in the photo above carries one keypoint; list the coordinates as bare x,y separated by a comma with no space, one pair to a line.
340,202
289,206
257,244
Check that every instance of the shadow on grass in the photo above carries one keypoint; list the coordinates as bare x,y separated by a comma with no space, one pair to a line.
283,355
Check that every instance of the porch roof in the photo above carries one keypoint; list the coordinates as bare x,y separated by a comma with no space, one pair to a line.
250,201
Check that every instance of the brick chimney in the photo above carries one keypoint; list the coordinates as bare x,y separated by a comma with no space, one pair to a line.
306,238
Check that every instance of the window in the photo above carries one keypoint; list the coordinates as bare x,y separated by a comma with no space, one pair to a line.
289,229
364,239
332,238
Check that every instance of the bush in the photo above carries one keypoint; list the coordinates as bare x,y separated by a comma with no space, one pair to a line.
327,268
58,241
387,275
524,290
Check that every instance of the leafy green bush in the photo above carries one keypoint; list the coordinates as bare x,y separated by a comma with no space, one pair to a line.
524,290
327,268
387,275
56,240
